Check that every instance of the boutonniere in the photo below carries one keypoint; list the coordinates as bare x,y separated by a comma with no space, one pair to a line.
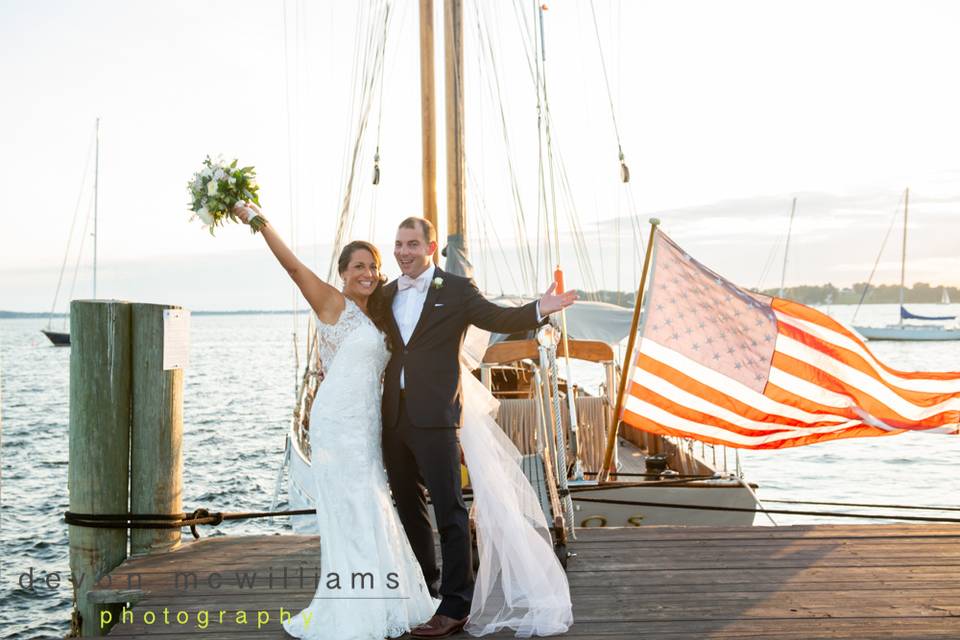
437,282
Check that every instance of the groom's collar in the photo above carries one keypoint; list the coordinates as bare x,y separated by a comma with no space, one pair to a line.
428,273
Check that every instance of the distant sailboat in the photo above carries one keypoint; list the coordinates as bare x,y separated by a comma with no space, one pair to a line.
62,338
913,332
944,296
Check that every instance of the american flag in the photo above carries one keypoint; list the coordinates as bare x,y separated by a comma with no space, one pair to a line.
723,365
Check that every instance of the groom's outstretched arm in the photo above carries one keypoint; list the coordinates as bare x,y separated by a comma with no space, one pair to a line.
492,317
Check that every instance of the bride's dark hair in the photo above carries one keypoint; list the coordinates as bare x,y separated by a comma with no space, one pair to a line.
377,307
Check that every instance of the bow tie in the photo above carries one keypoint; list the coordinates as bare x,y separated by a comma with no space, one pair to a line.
406,282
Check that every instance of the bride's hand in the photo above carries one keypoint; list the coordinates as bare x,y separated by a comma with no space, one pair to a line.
246,211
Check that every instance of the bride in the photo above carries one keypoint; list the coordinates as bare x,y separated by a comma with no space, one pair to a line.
371,585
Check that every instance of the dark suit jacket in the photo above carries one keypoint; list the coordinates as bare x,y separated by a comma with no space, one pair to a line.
431,359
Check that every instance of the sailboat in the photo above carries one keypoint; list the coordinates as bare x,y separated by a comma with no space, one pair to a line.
561,430
62,338
912,332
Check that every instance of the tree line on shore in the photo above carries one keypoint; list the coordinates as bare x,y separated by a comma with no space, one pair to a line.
919,293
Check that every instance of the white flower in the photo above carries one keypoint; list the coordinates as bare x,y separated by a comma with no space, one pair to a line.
212,188
218,174
207,172
437,282
205,216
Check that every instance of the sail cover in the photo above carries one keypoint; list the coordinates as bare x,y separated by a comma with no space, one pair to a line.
906,315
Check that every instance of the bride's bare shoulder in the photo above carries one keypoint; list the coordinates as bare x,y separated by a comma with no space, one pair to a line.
331,312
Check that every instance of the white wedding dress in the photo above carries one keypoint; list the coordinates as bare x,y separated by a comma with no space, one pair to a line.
520,584
363,548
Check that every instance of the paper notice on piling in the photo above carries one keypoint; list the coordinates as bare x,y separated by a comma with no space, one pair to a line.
176,338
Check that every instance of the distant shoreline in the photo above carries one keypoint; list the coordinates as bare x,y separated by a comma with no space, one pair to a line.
28,315
811,295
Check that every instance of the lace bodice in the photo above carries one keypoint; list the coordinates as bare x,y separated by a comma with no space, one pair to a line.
332,336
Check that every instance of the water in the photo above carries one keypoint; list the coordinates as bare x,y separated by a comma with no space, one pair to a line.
239,389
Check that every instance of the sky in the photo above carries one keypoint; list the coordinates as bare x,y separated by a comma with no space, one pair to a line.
725,112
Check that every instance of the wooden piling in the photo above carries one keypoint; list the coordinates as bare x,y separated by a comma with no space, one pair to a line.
100,361
156,431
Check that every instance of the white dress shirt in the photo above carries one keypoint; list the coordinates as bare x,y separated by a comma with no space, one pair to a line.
407,306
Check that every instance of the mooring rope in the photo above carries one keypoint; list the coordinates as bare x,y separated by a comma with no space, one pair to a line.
203,516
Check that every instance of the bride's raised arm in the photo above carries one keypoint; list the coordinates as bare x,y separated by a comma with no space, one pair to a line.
327,302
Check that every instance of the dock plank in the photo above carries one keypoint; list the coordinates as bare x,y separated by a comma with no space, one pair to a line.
822,581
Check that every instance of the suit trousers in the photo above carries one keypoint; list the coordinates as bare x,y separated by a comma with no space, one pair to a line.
417,459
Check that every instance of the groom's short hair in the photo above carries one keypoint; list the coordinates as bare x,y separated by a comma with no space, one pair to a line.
425,226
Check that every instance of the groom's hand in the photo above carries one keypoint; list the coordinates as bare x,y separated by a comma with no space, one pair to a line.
551,303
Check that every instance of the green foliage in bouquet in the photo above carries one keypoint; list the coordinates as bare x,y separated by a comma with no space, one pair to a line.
217,187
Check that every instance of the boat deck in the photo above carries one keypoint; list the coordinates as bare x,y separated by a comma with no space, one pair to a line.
817,581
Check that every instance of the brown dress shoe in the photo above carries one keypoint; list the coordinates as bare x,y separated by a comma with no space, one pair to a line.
438,627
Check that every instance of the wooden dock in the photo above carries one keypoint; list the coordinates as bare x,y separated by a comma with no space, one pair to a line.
799,582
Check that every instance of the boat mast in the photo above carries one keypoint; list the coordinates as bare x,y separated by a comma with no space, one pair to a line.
786,250
96,185
428,119
903,255
457,252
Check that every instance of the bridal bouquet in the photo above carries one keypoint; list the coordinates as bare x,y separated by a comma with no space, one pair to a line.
217,187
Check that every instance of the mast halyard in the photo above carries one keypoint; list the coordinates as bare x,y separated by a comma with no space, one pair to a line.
903,254
786,250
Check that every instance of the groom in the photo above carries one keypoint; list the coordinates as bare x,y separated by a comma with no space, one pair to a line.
432,310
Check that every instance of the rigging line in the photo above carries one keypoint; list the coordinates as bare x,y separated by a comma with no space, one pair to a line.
606,80
394,60
346,217
356,60
600,250
771,256
83,239
873,271
619,266
291,166
366,94
376,156
526,37
493,85
73,222
583,256
541,187
490,230
361,78
547,131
